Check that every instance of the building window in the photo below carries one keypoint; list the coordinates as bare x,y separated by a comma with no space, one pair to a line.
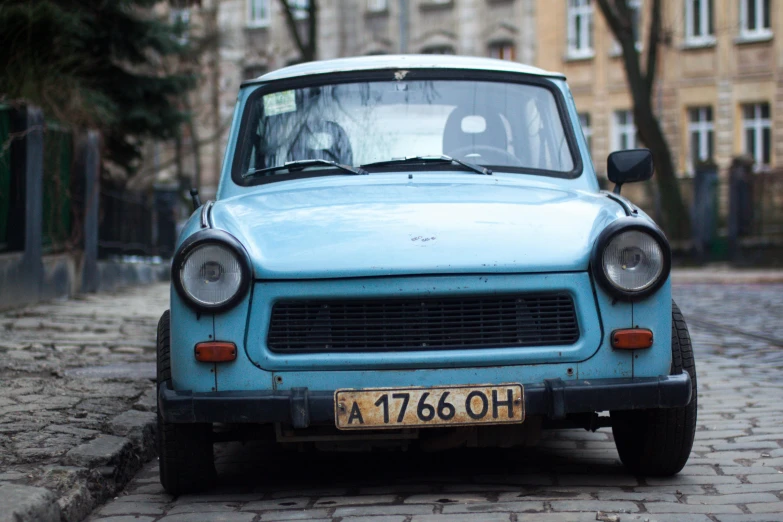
503,51
699,25
755,19
623,131
259,13
580,29
587,129
757,133
377,6
438,49
700,134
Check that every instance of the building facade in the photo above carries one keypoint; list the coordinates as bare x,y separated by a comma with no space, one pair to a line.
719,80
253,38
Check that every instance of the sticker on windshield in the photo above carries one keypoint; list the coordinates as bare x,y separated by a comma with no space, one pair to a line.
279,102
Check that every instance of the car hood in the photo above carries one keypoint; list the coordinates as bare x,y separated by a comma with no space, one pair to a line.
348,227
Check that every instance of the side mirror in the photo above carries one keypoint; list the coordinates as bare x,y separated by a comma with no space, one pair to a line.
628,166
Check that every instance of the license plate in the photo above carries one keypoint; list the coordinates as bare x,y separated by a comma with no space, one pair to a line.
374,408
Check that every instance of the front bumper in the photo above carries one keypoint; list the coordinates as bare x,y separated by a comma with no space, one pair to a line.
301,407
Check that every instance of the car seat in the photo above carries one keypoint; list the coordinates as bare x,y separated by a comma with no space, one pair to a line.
456,137
322,140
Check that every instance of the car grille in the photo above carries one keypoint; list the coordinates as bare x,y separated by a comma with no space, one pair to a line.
343,325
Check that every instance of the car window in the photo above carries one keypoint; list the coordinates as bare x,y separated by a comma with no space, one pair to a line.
488,123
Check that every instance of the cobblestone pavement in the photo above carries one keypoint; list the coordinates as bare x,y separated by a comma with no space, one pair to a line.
735,472
69,373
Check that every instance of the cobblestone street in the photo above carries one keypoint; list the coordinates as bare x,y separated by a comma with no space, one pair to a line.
735,472
75,393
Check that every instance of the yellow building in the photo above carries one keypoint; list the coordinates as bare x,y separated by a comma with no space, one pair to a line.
719,82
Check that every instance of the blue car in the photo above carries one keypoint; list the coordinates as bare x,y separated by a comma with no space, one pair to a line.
414,251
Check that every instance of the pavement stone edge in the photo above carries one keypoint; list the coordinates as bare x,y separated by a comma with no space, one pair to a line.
91,473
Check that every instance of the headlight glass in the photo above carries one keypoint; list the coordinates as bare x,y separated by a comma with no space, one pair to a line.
633,260
211,275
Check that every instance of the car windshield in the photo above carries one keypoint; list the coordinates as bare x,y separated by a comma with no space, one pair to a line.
514,127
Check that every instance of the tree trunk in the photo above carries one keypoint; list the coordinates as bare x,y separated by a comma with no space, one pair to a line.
676,218
308,50
642,84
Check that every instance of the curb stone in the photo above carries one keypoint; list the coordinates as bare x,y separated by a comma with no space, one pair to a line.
70,370
148,401
93,472
139,427
79,487
28,504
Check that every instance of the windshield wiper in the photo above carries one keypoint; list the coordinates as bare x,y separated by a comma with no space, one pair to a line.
293,166
442,158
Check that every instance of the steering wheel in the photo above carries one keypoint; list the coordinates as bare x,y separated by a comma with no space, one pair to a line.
486,155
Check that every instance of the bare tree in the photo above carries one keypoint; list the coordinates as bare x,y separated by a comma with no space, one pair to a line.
620,17
306,46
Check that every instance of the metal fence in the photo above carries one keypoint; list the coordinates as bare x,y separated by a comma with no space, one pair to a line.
57,208
767,218
126,224
57,189
729,211
137,223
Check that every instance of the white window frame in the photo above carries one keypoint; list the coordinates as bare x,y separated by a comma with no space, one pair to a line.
377,6
759,32
704,128
703,35
585,121
758,124
254,7
579,44
623,130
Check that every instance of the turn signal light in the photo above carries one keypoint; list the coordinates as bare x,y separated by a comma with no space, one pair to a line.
632,338
216,351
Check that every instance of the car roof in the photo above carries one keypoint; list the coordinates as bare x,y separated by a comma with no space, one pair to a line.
406,61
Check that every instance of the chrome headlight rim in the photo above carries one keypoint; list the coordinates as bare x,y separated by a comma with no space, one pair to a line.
200,239
614,229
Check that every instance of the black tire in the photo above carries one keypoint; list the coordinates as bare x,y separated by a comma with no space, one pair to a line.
658,442
186,460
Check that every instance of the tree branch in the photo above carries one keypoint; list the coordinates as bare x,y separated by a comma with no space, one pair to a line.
206,141
312,29
290,21
613,15
652,44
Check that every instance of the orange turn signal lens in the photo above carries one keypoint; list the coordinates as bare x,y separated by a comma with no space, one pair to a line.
632,338
216,351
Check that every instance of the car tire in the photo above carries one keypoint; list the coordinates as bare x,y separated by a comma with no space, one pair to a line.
185,455
658,442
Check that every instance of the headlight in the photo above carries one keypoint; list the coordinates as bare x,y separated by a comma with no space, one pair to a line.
631,259
210,271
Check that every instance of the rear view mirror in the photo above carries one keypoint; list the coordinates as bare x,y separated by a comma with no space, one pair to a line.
628,166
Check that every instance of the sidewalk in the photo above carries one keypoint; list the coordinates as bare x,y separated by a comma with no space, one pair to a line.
720,274
77,401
